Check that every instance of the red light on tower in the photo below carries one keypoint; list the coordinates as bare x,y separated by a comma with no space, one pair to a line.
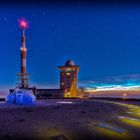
23,23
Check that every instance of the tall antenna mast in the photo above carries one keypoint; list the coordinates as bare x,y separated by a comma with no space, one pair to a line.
23,75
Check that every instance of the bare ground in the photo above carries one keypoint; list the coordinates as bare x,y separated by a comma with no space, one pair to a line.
58,119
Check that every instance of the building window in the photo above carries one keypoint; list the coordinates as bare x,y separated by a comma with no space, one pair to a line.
62,83
67,73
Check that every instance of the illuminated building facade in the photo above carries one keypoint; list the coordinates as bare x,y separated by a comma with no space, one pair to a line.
68,83
69,78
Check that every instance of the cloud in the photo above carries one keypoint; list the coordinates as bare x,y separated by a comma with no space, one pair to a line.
113,81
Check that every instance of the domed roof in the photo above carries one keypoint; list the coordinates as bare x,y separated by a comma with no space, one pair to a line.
69,63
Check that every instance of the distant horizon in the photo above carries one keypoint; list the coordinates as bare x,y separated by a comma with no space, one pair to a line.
116,83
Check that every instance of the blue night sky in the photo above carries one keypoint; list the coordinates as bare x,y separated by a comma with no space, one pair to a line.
103,40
